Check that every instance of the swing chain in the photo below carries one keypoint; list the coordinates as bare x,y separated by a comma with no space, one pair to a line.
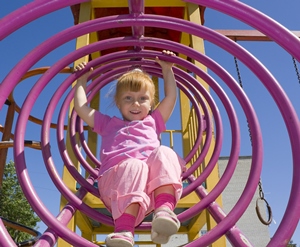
238,72
296,69
241,85
261,193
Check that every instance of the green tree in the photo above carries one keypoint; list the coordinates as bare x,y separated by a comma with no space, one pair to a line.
14,206
291,244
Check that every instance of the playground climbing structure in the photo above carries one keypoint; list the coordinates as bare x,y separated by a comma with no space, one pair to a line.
113,36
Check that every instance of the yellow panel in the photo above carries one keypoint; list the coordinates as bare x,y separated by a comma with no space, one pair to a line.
93,201
197,223
84,225
188,201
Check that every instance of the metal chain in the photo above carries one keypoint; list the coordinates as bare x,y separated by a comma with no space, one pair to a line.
261,193
241,84
296,69
238,72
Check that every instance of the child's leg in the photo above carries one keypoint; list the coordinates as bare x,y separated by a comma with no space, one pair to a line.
166,187
122,189
165,169
125,223
164,196
124,185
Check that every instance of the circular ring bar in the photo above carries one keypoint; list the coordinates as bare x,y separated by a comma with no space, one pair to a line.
31,12
103,78
103,81
141,54
97,48
95,90
30,74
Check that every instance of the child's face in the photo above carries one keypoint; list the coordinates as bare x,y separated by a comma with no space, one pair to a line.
134,105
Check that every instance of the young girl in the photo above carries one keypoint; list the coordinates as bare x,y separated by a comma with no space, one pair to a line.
137,174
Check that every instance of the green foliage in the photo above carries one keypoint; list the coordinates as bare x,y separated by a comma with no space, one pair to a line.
14,206
291,244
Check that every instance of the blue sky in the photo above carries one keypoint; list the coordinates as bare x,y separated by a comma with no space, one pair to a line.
277,169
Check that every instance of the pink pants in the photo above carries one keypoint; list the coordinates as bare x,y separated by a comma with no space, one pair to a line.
134,181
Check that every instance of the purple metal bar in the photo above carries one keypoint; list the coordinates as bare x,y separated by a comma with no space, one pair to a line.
258,20
49,237
110,43
30,12
5,239
79,126
234,235
47,153
115,57
26,14
31,98
290,43
230,111
61,143
60,89
137,8
140,55
277,93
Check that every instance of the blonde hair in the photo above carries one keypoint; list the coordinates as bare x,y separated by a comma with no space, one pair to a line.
134,81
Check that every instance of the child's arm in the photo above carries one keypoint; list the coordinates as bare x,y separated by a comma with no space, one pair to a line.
167,105
80,99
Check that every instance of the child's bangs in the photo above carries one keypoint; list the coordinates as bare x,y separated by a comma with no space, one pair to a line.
135,81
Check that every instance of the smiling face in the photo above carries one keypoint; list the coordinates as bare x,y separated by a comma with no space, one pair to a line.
135,105
134,95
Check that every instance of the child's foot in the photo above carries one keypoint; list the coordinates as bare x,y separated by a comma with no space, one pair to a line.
119,239
164,224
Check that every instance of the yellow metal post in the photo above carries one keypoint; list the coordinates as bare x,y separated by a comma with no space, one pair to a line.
69,181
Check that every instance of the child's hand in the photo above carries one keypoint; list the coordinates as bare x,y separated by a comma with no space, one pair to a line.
85,76
164,64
